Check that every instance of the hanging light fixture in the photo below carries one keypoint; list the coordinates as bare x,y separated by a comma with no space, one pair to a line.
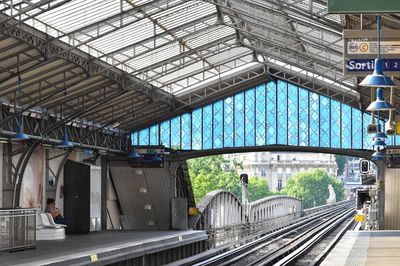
156,158
65,143
380,104
372,128
377,155
378,78
134,155
20,135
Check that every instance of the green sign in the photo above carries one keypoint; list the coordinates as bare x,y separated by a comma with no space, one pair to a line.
363,6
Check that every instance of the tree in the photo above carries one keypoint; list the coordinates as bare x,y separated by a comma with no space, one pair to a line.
207,174
341,163
258,188
215,172
312,186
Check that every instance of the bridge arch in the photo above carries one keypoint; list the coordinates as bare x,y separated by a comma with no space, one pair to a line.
220,208
272,207
276,113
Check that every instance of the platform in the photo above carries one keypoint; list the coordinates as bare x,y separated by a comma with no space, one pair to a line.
366,248
109,246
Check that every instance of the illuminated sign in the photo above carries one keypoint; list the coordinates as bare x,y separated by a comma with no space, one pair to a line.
361,65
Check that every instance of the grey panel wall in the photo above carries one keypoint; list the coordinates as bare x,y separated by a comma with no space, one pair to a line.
144,196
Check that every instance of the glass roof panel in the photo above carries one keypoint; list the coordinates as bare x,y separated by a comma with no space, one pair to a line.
175,44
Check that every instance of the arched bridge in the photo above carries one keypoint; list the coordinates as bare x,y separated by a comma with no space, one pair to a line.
276,113
221,208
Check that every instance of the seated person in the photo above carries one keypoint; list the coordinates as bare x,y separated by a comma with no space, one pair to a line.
55,213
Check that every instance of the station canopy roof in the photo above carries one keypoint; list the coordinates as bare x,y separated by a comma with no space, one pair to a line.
135,62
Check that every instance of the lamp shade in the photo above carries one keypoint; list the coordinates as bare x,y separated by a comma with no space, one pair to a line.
378,142
379,135
377,78
156,158
380,104
20,135
65,143
377,156
134,155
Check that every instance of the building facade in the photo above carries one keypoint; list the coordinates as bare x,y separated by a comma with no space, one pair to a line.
279,167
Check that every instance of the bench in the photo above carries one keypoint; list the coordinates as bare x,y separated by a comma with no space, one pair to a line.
47,229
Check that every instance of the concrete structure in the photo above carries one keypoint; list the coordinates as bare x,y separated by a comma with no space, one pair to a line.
366,248
279,167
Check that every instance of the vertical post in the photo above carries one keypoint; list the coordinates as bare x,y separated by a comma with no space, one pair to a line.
380,181
104,189
244,180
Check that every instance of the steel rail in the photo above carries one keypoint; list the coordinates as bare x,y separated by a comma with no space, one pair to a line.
294,250
237,253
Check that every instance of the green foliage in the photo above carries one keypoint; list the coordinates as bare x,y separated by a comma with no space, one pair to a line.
258,188
214,172
313,186
341,163
207,174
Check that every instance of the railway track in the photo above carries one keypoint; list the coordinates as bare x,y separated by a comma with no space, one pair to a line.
285,246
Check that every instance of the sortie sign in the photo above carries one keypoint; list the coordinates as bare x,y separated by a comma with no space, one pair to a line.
361,49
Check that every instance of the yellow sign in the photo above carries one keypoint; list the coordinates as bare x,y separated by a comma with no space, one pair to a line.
359,217
93,258
193,211
397,127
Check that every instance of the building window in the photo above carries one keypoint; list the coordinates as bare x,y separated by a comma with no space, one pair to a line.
279,185
263,172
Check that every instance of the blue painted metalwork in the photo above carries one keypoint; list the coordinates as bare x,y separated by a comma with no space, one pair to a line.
269,114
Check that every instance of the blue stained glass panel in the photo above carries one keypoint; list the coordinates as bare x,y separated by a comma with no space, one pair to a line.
260,115
314,119
293,108
356,129
366,136
271,113
207,127
239,120
134,138
197,129
249,117
282,112
303,117
346,126
335,124
228,122
186,121
218,124
154,135
268,114
176,133
144,136
324,121
165,133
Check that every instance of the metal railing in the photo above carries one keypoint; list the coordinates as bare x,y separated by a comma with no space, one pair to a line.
225,236
17,229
